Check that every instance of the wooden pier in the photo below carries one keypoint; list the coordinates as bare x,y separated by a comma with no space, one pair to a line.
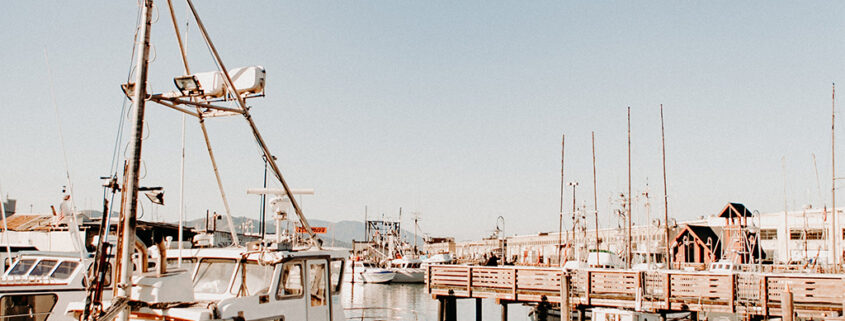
750,295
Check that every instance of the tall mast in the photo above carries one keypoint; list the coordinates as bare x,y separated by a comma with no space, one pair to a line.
131,181
665,194
595,198
560,222
834,230
629,255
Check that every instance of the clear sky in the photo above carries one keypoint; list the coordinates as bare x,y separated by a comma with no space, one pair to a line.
450,109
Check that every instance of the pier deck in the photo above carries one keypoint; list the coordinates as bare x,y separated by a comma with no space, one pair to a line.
743,293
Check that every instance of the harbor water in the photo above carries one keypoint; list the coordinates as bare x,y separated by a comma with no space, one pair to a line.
366,301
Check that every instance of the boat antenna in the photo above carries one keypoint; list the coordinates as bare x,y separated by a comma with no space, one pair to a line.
74,230
835,233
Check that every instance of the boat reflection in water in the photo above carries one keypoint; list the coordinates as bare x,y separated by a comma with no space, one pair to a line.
409,301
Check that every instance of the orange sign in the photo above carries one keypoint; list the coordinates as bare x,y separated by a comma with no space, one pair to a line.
318,230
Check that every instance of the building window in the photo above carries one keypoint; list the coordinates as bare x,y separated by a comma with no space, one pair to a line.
815,234
811,234
769,234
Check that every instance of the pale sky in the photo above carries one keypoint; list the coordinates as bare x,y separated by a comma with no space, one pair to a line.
450,109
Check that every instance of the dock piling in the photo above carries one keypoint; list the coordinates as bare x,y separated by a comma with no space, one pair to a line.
786,304
477,309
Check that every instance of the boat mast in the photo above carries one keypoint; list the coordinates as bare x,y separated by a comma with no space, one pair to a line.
834,233
560,222
629,255
665,194
124,284
595,199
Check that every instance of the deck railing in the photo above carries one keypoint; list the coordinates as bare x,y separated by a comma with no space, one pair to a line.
651,291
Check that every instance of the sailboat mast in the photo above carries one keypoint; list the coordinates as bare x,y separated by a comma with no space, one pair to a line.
595,198
131,182
834,234
665,193
560,222
629,255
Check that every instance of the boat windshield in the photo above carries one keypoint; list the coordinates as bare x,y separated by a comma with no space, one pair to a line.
64,270
43,268
257,279
214,275
22,266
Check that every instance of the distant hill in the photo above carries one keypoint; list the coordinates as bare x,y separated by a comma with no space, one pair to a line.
342,232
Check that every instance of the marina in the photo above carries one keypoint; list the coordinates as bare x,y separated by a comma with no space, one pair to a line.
313,161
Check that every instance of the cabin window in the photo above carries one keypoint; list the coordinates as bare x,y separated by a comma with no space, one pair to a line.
290,284
188,264
64,270
214,275
33,307
337,274
257,279
21,267
317,278
43,268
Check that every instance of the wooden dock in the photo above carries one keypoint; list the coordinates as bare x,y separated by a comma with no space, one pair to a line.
750,295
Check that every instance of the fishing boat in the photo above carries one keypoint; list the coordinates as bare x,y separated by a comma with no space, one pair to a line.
366,272
408,270
39,285
281,280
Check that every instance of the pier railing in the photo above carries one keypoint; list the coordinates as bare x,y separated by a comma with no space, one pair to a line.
649,291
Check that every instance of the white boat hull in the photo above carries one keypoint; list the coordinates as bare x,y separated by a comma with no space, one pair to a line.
408,275
378,276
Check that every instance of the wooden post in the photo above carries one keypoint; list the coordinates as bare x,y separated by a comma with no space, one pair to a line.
469,281
764,296
786,304
441,310
667,290
564,296
580,314
427,276
733,293
477,309
514,284
588,286
451,309
505,311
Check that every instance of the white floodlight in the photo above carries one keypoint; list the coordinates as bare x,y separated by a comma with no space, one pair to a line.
188,85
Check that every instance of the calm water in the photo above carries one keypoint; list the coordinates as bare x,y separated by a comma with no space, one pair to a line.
411,302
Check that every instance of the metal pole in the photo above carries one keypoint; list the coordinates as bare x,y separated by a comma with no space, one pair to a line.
595,198
628,256
181,193
264,204
574,185
785,213
124,284
560,222
668,254
259,139
834,234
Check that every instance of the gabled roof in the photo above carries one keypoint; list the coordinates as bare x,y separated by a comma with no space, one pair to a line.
734,210
699,234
